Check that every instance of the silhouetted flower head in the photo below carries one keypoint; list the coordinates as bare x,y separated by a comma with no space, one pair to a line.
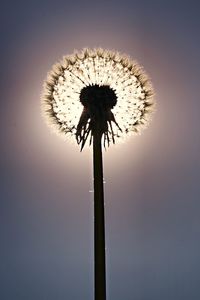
97,90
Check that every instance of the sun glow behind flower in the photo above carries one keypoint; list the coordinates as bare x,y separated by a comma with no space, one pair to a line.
98,67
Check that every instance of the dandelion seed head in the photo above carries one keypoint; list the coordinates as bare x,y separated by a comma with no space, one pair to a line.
90,76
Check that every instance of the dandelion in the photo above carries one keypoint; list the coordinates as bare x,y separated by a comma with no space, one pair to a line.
98,96
97,86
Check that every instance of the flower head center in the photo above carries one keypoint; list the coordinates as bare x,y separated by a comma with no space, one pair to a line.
95,97
96,116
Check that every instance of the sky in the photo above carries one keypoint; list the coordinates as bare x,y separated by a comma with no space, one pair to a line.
152,186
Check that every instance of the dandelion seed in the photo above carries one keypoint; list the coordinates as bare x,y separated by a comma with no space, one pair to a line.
97,84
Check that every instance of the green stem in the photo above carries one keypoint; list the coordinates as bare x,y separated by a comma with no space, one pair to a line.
99,220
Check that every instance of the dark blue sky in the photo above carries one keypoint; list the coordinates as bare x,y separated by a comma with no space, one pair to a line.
152,182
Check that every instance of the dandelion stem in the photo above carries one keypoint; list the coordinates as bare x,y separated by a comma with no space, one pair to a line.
99,220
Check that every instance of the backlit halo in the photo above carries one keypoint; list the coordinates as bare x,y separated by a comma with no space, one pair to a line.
108,73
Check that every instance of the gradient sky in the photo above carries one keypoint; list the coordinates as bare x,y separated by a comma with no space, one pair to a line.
152,186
